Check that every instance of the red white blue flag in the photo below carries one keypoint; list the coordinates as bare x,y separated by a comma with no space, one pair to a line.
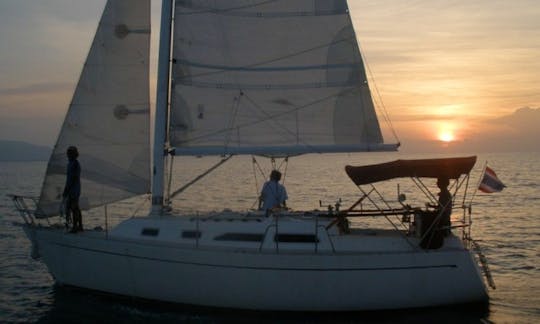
490,183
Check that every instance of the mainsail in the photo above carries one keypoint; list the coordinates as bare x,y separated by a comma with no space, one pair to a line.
269,77
109,115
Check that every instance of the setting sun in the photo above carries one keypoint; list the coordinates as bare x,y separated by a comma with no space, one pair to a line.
446,136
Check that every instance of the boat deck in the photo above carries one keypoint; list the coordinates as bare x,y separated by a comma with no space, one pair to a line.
252,232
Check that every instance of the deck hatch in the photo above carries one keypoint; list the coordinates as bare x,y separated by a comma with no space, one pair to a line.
244,237
150,231
296,238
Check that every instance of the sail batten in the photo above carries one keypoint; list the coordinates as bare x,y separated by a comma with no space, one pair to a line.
264,8
267,77
251,86
270,69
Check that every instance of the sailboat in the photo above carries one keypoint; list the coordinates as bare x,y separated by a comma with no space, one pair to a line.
264,78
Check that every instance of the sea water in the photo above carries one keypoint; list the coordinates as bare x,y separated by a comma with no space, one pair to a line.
507,224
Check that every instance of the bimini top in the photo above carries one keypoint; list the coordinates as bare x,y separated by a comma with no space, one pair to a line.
450,168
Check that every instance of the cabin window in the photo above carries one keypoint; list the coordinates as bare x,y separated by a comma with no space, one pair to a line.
191,234
150,231
245,237
296,238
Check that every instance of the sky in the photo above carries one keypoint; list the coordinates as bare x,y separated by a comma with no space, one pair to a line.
452,75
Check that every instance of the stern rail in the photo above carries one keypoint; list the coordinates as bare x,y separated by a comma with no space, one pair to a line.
484,263
27,208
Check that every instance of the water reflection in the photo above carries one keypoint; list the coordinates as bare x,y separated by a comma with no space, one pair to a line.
83,306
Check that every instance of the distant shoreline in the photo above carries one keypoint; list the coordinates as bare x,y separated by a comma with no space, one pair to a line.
17,151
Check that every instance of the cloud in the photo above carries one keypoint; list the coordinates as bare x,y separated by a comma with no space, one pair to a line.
525,119
423,117
515,132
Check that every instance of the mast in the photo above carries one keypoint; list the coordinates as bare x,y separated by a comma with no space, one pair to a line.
162,102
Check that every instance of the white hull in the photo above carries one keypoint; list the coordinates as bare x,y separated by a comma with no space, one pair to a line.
296,276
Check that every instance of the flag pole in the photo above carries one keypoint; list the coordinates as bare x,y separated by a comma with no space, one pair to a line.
478,184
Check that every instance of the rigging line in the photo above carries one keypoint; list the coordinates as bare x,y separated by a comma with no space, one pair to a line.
142,204
365,102
385,114
375,205
170,161
425,190
464,207
199,177
458,183
290,132
258,166
286,161
253,165
234,114
211,10
260,109
270,117
466,188
385,202
334,42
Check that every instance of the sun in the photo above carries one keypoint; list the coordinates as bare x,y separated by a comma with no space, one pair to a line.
446,136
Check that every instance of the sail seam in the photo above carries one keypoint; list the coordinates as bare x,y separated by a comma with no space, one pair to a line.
188,4
235,11
196,84
283,150
270,69
265,15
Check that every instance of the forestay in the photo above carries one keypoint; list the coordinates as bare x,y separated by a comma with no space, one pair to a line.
263,77
108,118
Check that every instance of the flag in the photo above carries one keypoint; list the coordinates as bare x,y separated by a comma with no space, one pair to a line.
490,183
